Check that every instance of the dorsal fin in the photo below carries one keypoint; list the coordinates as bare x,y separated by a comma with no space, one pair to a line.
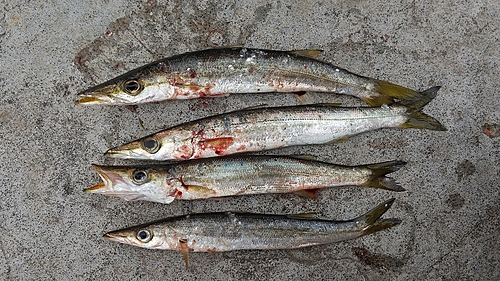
303,157
339,140
307,53
332,104
262,105
303,216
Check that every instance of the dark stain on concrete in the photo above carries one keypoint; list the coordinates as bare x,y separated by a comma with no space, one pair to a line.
491,130
455,201
379,261
464,169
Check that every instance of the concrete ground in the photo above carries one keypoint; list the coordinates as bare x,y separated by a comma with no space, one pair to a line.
51,230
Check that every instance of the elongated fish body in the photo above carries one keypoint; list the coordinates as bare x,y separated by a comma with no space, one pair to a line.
216,232
242,175
270,128
219,72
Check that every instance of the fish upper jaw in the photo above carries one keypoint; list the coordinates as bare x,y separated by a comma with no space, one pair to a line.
98,95
131,150
122,236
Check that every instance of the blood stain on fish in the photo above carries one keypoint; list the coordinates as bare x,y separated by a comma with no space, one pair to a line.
185,152
192,73
218,145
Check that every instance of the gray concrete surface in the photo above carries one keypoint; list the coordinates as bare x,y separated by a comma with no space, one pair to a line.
50,230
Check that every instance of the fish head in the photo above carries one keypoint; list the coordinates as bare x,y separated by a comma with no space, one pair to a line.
151,236
135,183
131,88
165,145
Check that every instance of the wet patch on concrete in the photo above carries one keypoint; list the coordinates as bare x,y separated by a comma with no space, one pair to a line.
465,169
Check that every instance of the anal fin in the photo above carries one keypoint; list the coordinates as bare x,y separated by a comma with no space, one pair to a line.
307,193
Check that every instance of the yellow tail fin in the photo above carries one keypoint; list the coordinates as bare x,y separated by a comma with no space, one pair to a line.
388,92
372,219
378,179
418,119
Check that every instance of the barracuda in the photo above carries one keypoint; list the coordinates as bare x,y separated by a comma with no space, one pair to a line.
241,175
219,232
219,72
269,128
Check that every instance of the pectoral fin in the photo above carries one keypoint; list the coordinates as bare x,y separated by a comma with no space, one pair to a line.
184,250
202,190
304,98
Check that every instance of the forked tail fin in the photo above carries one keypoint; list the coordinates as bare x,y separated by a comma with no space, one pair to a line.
378,179
388,92
420,120
372,219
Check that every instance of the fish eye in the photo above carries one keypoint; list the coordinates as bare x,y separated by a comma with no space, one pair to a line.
140,177
151,145
132,86
144,235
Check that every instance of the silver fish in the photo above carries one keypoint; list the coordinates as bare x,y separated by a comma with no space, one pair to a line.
218,232
219,72
269,128
242,175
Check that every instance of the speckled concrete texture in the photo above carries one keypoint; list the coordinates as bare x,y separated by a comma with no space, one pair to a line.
49,52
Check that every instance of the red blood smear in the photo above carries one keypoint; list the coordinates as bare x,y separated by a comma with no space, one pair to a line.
79,60
192,73
242,147
176,193
219,145
198,133
201,91
182,183
185,152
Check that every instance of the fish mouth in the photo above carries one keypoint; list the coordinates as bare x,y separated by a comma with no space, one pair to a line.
86,99
96,188
97,95
118,153
126,151
114,184
89,99
105,186
117,236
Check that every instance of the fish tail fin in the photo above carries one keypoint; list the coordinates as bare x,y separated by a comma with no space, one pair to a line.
418,119
371,221
389,91
381,225
378,179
